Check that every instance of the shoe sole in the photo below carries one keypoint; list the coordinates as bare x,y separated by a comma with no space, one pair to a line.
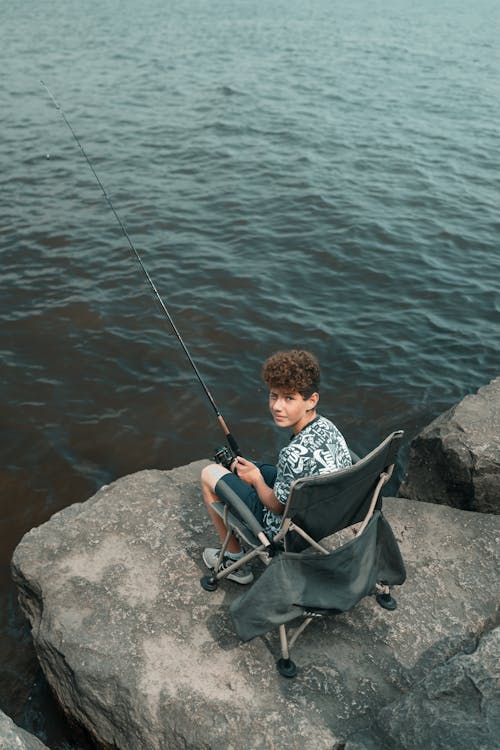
232,576
241,581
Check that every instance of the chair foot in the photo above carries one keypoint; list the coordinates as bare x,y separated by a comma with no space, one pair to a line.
386,601
286,668
209,583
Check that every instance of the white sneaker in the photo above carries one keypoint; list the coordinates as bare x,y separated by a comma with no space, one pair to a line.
239,575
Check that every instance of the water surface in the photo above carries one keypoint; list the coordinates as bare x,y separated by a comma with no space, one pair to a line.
320,174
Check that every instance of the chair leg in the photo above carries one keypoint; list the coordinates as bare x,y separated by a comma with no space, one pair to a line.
209,582
286,667
384,597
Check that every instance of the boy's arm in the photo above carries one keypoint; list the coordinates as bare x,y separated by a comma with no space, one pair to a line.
249,473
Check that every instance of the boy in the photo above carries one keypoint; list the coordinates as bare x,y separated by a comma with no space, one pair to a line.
316,447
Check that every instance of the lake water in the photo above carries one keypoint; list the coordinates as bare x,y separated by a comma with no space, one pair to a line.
318,174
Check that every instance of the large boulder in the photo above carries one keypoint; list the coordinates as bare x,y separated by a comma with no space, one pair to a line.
140,655
457,704
13,737
456,459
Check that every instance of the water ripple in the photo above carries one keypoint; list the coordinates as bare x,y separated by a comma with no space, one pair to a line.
290,176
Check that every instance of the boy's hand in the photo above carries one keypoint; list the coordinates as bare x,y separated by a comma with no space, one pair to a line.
252,475
247,471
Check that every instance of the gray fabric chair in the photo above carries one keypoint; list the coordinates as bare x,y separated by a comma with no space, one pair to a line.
304,576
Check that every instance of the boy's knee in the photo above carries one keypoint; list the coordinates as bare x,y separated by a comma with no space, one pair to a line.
211,474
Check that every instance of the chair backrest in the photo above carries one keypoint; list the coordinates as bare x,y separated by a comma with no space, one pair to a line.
324,504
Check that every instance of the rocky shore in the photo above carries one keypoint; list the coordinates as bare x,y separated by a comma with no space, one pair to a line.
13,737
456,459
145,659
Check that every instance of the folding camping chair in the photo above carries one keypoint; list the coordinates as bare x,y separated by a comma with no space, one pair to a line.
304,577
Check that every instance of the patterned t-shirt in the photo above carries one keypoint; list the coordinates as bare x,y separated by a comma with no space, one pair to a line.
319,448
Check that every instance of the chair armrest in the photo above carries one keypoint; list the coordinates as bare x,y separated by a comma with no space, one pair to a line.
229,496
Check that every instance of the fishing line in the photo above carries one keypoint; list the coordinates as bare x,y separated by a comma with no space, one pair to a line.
230,439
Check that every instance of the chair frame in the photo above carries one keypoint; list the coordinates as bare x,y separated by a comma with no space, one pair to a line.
286,667
253,535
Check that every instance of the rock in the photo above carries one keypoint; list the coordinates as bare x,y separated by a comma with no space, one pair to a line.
456,459
13,737
456,705
140,655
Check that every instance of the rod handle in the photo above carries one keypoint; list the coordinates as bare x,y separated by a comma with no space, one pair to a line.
233,444
230,439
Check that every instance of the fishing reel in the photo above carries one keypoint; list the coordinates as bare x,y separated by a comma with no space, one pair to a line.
224,456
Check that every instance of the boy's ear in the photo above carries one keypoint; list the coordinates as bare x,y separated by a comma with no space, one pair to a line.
313,400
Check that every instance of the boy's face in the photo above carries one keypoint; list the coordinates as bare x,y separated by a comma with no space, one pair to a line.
290,409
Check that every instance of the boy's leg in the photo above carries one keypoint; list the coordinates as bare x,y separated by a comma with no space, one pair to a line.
210,475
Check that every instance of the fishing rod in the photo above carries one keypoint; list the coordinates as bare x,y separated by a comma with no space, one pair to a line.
229,437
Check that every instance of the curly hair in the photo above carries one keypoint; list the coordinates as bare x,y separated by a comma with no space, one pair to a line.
294,370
